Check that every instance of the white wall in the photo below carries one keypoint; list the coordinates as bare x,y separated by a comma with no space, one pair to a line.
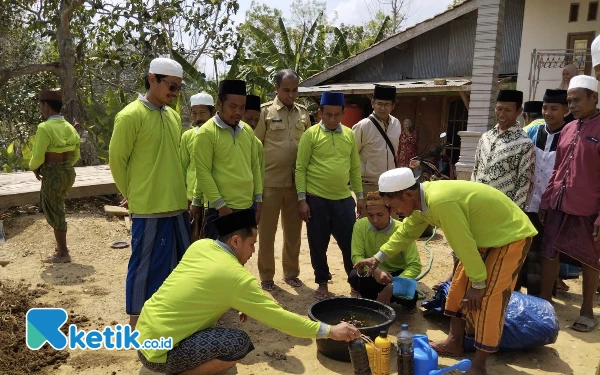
546,25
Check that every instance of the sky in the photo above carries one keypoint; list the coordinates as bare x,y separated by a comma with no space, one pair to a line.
350,12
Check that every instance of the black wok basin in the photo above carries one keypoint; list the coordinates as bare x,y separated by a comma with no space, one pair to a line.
370,317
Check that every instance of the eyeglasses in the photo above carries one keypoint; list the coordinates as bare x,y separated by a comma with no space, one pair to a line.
383,105
173,87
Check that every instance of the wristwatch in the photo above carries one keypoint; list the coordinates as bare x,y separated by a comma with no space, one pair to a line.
478,284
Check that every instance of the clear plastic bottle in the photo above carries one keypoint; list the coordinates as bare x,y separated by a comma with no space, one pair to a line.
383,343
406,364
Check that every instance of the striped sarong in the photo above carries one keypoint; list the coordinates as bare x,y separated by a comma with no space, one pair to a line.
486,324
57,180
157,245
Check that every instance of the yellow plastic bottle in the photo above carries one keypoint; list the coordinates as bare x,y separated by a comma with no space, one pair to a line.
383,343
371,353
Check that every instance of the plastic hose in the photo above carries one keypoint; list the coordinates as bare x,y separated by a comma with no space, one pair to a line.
428,268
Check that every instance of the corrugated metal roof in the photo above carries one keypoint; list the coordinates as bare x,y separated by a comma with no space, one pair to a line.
402,87
369,51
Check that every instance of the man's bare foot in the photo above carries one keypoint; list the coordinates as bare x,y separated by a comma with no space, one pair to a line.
447,349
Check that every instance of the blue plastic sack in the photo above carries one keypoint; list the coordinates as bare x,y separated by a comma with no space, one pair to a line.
529,321
436,305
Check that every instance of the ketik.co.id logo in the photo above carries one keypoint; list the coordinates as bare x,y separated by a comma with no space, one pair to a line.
43,326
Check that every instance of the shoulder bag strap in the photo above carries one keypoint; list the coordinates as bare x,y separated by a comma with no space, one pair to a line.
385,137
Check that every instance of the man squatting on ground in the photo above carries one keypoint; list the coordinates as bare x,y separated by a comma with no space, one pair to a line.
197,293
491,245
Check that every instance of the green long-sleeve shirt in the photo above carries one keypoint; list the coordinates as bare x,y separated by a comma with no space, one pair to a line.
208,282
54,135
472,216
228,172
261,159
326,161
366,242
144,158
187,144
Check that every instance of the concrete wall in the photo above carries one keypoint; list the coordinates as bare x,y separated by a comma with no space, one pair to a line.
546,26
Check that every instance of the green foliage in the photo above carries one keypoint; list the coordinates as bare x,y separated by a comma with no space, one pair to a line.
101,114
13,160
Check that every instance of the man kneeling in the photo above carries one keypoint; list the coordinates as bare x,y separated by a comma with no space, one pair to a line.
368,236
210,280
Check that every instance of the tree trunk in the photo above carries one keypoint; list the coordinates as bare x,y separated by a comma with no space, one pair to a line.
73,108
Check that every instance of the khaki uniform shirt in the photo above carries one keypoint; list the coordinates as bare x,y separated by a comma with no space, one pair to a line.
280,129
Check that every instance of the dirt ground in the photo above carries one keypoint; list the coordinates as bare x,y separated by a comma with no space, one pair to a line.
92,290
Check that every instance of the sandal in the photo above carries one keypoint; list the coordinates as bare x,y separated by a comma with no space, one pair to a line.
293,282
267,286
584,324
320,295
54,258
443,352
561,285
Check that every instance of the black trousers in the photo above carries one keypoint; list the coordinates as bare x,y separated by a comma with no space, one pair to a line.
329,217
369,288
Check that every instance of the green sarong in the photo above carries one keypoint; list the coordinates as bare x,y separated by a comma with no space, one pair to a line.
57,180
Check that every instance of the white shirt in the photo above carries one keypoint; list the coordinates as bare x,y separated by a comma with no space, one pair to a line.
375,155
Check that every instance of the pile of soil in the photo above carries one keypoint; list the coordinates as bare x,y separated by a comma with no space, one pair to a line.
15,357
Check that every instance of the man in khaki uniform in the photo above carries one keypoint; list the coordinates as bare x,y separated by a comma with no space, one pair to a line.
280,127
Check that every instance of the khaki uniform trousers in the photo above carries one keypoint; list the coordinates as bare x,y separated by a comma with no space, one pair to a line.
276,200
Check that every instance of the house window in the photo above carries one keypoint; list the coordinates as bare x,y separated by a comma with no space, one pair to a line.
593,11
458,116
574,12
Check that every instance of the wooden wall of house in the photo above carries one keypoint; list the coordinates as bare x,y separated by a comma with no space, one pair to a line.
428,113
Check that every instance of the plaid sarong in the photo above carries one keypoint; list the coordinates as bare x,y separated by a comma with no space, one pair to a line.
572,236
57,180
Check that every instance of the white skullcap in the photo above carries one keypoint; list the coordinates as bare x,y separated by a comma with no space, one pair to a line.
596,51
166,67
202,99
396,179
584,82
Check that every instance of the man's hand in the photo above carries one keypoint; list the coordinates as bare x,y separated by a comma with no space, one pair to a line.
386,294
196,211
542,216
344,332
304,210
124,203
596,233
371,263
243,317
361,209
258,211
382,277
224,211
37,174
473,298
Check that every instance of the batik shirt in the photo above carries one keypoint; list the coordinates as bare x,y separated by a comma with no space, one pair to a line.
545,144
506,162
